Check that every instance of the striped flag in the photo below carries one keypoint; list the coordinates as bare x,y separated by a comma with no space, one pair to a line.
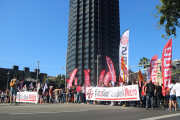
21,85
140,76
124,68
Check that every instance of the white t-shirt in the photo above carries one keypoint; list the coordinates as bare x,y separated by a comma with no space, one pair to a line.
177,89
171,89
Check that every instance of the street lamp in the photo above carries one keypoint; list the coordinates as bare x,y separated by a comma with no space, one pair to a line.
97,66
65,67
8,75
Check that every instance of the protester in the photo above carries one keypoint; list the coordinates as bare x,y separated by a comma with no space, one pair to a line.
176,89
56,93
78,99
40,91
149,91
2,96
61,96
172,99
64,95
34,90
7,100
68,95
143,97
50,94
75,93
46,95
83,94
158,94
13,84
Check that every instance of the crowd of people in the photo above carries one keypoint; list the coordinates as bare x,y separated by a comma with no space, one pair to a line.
152,95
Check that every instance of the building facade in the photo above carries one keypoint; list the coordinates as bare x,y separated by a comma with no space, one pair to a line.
175,65
94,29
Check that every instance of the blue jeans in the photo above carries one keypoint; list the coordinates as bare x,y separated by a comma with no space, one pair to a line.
64,98
83,98
132,103
143,101
90,102
13,91
178,100
78,97
151,97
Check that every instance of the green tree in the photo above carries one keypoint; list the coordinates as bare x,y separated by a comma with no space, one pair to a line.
61,79
176,72
168,13
44,78
143,61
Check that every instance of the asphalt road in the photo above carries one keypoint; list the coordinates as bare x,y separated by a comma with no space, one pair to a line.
82,112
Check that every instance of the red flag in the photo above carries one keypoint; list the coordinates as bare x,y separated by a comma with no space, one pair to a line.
153,68
101,77
72,78
67,81
111,69
166,64
120,79
140,76
124,68
139,82
107,78
70,74
88,70
75,82
87,78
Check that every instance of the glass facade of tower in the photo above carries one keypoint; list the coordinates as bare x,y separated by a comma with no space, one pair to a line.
94,29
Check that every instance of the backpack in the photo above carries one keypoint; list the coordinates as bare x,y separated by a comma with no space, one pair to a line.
151,87
13,83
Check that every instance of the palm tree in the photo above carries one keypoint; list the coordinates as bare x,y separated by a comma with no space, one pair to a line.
143,61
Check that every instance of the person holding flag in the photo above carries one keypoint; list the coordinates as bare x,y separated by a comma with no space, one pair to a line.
13,84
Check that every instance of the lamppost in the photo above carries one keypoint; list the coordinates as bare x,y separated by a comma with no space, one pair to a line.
97,67
65,67
8,75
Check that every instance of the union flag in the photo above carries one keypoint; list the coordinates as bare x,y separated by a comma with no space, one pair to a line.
140,76
124,68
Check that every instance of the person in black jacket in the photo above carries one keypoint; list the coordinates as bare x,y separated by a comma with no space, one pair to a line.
158,94
149,91
40,91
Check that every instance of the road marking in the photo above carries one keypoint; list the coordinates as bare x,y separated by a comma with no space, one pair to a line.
161,117
45,112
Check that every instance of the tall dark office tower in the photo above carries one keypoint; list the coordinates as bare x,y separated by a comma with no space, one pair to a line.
94,29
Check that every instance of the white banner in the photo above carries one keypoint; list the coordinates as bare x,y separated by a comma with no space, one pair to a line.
31,97
124,93
124,50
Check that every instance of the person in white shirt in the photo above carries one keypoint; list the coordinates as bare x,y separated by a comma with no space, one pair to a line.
176,90
172,99
2,97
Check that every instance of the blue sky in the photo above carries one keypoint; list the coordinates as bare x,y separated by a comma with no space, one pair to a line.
37,30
